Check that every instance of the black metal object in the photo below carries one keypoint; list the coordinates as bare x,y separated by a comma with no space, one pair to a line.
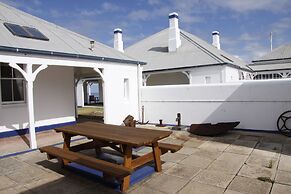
160,124
178,119
282,123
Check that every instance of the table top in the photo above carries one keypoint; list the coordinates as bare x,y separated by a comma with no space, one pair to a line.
116,134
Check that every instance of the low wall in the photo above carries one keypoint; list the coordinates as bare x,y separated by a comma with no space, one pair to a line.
256,104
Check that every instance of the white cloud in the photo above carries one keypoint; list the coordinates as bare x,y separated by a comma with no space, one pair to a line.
251,5
109,7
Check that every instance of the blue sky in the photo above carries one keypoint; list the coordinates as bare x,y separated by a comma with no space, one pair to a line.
244,25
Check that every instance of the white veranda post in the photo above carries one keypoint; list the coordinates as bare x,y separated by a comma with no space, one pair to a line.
30,76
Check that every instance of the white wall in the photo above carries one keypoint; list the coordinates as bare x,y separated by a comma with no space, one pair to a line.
198,75
231,74
116,107
256,104
80,94
53,100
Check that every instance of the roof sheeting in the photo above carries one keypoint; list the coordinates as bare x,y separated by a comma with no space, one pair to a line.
61,40
193,52
282,52
278,59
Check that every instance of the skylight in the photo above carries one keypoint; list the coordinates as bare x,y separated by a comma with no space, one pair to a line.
25,31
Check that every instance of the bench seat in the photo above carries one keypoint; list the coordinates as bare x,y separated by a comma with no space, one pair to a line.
107,168
165,147
170,147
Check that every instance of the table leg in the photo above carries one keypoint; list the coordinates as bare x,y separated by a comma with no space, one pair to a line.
66,146
97,147
127,163
157,157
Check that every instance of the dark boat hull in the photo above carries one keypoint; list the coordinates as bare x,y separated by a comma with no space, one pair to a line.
207,129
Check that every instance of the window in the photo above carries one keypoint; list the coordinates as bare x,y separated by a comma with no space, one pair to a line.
207,79
126,89
25,31
12,85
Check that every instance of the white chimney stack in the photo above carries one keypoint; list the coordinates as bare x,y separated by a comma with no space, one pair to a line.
174,32
215,39
118,43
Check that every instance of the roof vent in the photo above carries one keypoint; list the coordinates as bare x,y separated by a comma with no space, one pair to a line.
92,45
118,43
174,41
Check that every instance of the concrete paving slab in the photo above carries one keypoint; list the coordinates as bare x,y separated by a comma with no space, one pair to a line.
187,150
286,150
166,183
200,188
6,182
270,146
197,161
257,171
228,191
241,147
262,161
194,143
249,185
145,190
175,141
183,171
283,177
281,189
215,146
228,162
17,190
250,137
215,178
285,162
173,157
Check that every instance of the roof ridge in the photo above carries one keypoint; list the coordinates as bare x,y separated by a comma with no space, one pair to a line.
202,48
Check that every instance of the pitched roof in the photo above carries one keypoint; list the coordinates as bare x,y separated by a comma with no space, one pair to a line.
194,52
62,42
278,59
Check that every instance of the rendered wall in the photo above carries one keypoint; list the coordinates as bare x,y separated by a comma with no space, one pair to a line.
198,74
53,101
256,104
116,106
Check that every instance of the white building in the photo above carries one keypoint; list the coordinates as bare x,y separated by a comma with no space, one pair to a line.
273,65
40,66
174,56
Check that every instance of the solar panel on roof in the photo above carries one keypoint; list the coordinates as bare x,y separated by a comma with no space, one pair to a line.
35,33
16,30
25,31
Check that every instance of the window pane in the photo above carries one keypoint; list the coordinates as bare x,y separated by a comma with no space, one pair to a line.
18,90
6,71
16,73
6,90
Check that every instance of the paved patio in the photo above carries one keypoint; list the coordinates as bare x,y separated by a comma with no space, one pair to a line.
239,162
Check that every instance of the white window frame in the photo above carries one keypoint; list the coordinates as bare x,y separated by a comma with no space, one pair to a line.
24,90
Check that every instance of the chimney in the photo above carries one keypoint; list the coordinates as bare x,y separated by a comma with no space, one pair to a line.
215,39
118,43
174,32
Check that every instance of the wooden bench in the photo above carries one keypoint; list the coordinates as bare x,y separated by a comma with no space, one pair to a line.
169,147
114,170
166,147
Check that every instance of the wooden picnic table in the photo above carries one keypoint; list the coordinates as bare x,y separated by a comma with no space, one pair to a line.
120,138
